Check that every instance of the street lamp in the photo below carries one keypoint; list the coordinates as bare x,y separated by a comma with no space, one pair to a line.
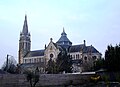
7,62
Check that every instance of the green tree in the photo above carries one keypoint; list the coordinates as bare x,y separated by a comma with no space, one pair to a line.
112,58
99,64
64,62
51,67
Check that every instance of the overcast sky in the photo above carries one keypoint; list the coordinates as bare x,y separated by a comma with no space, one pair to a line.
96,21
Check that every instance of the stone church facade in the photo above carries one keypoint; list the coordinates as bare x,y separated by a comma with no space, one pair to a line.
83,56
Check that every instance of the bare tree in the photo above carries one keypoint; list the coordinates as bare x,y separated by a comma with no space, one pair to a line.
33,77
10,64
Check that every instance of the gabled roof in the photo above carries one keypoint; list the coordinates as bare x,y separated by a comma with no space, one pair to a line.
35,53
89,49
76,48
82,47
55,44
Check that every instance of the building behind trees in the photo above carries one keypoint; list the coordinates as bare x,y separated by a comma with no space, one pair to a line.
82,55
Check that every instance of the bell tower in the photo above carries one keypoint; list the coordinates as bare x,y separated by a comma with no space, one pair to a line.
64,41
24,42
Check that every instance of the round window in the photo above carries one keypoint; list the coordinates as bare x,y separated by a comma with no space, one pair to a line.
51,55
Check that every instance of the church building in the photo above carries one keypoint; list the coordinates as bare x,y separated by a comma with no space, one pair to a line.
83,56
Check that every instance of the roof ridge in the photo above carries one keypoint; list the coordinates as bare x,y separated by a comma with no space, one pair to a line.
38,50
78,45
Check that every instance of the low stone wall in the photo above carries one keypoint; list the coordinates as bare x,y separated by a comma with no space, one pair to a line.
19,80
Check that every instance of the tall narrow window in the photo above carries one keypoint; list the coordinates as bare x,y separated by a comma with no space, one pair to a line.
78,56
74,57
25,61
30,60
51,48
34,60
70,56
41,59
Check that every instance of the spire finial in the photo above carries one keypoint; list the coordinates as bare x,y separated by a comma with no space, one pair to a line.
25,17
63,33
51,39
63,29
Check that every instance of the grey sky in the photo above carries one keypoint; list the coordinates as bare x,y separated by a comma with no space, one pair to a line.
96,21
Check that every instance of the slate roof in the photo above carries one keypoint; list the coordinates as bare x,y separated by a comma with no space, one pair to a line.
61,48
72,49
76,48
89,49
26,66
3,72
82,47
63,39
35,53
41,52
41,64
55,44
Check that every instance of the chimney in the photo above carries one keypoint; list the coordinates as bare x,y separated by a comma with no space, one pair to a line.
84,43
45,46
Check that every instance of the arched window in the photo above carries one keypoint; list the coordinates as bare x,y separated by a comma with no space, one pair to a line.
51,48
42,60
35,60
70,56
25,61
85,58
74,57
94,57
30,60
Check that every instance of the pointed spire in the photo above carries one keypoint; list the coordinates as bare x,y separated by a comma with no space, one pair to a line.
25,26
63,33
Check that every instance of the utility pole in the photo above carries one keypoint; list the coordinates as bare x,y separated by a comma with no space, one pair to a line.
7,63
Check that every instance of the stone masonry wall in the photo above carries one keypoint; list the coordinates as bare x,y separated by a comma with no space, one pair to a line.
19,80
